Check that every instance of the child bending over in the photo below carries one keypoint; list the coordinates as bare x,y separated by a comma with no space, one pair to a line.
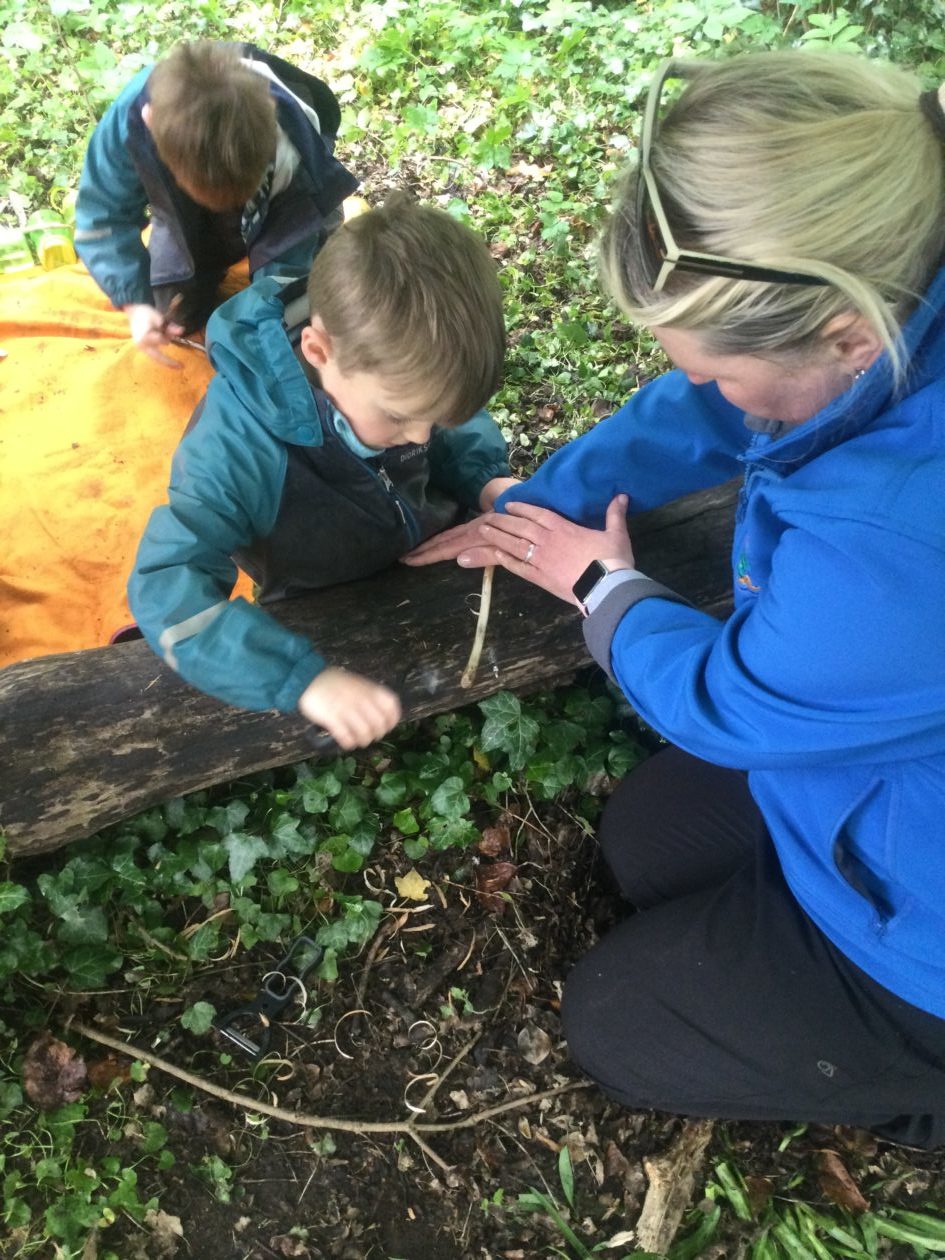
329,444
231,149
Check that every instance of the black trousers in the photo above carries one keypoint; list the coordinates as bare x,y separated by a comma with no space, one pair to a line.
719,996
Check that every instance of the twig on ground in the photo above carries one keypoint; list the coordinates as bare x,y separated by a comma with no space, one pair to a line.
305,1119
441,1076
482,621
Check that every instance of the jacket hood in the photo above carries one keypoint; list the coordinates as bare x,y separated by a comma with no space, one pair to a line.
250,349
853,411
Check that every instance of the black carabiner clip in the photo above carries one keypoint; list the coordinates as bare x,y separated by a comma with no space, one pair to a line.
277,990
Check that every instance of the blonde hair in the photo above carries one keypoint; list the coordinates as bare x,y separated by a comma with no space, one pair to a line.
410,293
213,120
820,163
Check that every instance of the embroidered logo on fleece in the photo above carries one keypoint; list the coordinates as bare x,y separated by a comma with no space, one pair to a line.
743,577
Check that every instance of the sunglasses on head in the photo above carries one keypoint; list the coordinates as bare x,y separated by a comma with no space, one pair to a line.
661,255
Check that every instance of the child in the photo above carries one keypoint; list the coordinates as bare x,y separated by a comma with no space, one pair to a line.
231,148
307,484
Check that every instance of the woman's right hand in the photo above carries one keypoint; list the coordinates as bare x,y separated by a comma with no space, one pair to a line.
150,330
448,545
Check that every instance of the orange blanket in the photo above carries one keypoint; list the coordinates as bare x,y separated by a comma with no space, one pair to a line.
88,424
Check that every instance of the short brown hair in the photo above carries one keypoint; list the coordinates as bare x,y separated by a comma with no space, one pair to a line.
213,120
412,294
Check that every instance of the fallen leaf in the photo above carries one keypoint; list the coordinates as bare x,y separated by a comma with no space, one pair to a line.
534,1044
412,886
286,1245
616,1164
490,881
837,1184
494,840
759,1192
102,1072
53,1073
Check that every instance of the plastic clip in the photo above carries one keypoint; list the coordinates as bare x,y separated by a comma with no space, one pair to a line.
249,1027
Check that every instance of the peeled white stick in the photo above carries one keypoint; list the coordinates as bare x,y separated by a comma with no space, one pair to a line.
485,600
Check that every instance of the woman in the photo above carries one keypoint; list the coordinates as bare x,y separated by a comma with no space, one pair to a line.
781,237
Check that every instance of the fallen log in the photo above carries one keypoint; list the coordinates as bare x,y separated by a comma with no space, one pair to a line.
88,738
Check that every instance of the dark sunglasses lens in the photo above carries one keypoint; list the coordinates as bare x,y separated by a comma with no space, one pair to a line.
652,245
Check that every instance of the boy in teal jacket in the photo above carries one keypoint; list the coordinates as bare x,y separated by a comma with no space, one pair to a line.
318,462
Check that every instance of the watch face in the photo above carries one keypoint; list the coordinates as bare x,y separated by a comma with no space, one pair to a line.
589,579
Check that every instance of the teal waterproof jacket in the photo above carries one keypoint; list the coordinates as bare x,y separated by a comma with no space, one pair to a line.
262,478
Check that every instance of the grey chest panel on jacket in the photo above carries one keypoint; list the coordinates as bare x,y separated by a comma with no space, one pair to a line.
341,517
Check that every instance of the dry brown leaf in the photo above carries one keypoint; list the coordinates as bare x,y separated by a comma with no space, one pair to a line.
102,1072
534,1044
837,1184
616,1164
490,881
53,1073
495,841
759,1192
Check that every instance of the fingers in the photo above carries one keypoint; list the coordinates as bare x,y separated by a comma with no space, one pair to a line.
445,546
363,724
616,518
354,710
153,352
479,557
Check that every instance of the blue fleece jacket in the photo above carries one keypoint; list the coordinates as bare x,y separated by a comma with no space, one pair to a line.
262,475
827,683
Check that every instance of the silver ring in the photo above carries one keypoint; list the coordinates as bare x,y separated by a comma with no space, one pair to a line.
529,553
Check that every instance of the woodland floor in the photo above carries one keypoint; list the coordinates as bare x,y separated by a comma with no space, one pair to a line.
464,970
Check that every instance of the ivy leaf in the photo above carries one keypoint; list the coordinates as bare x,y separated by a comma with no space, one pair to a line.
393,788
244,852
450,799
282,882
509,729
90,965
405,821
199,1017
226,819
347,811
12,896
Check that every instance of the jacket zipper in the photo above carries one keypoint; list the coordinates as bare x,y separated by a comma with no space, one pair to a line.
409,524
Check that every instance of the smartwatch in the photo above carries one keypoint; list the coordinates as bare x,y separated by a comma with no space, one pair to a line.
595,572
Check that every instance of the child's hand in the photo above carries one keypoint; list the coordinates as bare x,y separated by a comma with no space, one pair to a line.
493,488
353,710
150,330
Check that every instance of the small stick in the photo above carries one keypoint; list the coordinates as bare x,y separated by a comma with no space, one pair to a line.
303,1118
485,601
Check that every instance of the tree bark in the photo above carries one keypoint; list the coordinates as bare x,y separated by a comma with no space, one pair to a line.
89,738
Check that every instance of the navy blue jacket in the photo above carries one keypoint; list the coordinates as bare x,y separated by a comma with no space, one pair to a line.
123,176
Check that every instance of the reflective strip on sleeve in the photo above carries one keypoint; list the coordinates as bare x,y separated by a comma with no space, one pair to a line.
92,234
187,629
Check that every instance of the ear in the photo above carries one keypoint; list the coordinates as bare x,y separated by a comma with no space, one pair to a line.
146,114
853,342
316,344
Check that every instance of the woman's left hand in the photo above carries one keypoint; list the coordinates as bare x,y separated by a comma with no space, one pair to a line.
548,549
